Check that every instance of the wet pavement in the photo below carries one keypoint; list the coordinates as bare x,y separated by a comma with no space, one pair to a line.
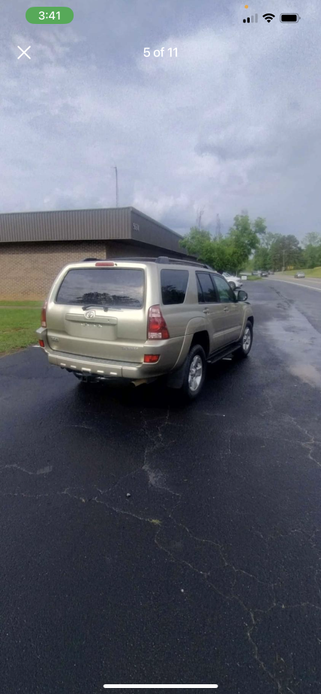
307,282
146,542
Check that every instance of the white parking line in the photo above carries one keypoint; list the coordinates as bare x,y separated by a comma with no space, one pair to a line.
298,284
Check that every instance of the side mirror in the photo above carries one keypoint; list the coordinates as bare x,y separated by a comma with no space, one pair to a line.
241,295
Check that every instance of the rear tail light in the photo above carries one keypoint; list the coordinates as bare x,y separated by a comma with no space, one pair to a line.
157,328
44,315
41,343
104,263
151,358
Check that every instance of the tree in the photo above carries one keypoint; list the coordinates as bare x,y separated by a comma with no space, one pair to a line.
312,250
262,259
243,239
259,227
231,252
212,251
285,251
196,242
311,239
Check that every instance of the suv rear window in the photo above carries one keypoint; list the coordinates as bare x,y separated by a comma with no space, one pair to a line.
174,283
121,287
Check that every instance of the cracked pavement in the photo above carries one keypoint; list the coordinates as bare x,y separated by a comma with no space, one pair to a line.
143,541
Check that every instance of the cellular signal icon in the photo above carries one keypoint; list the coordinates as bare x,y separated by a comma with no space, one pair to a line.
253,18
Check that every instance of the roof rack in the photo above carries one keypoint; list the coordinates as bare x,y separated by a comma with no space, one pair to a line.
162,259
165,259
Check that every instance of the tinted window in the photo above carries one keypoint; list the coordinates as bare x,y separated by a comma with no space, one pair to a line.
174,283
109,287
207,288
199,291
225,292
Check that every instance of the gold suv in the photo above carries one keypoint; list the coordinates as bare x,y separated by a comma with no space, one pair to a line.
141,318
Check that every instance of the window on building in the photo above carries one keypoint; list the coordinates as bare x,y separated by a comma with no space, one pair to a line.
174,284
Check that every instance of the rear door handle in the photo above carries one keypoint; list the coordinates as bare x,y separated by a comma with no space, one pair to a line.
226,309
206,310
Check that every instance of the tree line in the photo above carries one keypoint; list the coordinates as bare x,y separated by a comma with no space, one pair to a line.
249,246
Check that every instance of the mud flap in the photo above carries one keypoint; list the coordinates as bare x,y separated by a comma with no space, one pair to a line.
176,379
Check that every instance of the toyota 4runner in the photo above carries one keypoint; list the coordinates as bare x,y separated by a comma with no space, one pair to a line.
140,319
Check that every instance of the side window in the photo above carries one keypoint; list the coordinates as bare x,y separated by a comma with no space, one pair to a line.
207,288
174,283
225,292
199,291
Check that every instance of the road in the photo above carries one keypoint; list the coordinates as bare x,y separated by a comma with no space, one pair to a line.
306,282
146,542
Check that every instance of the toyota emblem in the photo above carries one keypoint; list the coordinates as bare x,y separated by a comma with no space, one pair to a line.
90,314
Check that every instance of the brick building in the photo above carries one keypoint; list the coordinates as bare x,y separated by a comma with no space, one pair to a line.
34,246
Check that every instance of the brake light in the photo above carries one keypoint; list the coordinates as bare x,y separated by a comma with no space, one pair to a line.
151,358
44,315
41,343
157,328
104,264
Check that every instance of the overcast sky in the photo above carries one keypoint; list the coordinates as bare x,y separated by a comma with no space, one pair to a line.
232,123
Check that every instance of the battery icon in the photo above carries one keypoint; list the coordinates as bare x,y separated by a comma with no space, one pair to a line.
289,17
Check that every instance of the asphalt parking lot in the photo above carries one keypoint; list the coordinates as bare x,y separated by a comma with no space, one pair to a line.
146,542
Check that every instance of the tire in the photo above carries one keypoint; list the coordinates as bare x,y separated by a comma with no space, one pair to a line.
194,373
87,380
232,285
246,342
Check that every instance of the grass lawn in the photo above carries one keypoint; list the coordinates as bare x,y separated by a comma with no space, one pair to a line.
316,272
17,328
253,277
35,304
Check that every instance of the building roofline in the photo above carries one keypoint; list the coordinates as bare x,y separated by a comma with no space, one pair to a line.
150,219
88,224
95,209
73,209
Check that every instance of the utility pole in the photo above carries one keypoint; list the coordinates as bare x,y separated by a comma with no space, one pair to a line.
116,176
283,260
199,219
218,227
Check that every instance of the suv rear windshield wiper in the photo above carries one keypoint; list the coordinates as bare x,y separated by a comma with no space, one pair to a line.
104,306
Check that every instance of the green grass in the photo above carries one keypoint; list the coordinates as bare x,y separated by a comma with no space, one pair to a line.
35,304
17,328
253,277
316,272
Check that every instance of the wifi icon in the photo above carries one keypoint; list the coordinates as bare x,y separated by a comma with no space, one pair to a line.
268,16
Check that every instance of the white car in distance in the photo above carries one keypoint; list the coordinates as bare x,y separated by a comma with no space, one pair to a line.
234,282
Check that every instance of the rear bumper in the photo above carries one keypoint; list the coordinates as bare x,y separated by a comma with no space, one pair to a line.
114,369
97,367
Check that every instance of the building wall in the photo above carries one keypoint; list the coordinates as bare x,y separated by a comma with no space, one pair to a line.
27,270
125,249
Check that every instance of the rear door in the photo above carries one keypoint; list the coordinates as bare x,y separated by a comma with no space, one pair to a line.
212,308
100,312
232,310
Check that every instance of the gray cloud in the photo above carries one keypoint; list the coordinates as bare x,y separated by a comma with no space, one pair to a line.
232,123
